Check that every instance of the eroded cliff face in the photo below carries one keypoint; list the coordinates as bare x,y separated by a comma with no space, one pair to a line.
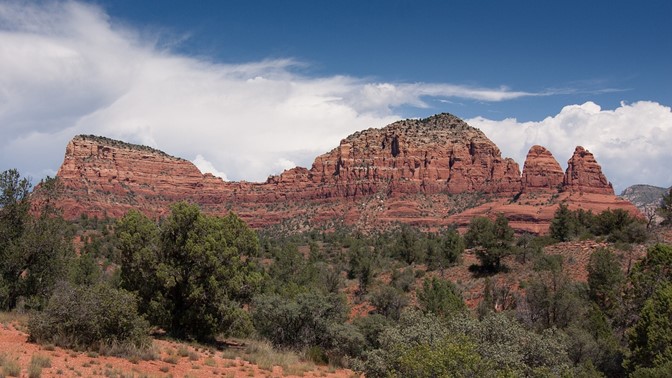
585,175
440,154
430,172
541,171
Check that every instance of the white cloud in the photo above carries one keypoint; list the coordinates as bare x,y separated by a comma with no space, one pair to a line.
285,164
66,69
206,167
631,142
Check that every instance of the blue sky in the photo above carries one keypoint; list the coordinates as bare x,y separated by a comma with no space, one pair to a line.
603,51
246,89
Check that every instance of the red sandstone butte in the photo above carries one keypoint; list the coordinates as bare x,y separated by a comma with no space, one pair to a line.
430,172
541,172
585,175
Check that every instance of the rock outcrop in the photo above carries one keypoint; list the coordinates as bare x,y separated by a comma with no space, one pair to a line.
584,175
440,154
431,172
541,172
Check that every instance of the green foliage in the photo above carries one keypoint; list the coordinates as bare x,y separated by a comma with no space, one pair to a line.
529,247
14,206
665,209
388,301
619,226
593,341
291,272
660,371
403,279
371,327
509,347
408,245
85,271
649,274
563,225
650,339
616,225
553,300
448,357
361,265
90,317
34,250
188,272
444,250
422,345
440,297
492,241
605,280
309,319
413,329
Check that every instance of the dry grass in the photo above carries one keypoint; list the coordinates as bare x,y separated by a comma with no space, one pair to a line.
37,363
262,354
13,318
11,368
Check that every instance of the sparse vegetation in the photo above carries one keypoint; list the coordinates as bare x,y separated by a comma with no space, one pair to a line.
104,316
527,309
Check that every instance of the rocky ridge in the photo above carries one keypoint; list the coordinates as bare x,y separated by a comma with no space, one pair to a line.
430,172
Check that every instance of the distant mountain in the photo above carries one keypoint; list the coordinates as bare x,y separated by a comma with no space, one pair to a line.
644,196
431,172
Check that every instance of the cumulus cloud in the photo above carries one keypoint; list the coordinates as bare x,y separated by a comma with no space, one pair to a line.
206,167
67,69
631,142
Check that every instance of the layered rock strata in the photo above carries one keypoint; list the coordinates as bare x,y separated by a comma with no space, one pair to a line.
584,175
541,172
430,172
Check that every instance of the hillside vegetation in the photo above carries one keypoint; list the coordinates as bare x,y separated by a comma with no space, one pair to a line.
399,303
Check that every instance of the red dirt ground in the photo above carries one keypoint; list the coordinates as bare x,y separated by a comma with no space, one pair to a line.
200,362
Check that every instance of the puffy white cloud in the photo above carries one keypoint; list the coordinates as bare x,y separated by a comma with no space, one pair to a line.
206,167
66,69
631,142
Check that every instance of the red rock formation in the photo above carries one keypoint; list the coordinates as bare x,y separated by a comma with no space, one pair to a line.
541,171
430,172
584,175
437,154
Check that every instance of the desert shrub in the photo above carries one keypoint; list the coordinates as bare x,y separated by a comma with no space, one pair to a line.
388,301
421,345
440,297
403,279
510,347
298,322
650,273
371,327
90,317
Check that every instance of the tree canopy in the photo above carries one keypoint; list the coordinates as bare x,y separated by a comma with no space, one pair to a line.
189,271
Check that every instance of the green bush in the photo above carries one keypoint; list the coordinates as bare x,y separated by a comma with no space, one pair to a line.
440,297
309,319
650,339
388,301
90,317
